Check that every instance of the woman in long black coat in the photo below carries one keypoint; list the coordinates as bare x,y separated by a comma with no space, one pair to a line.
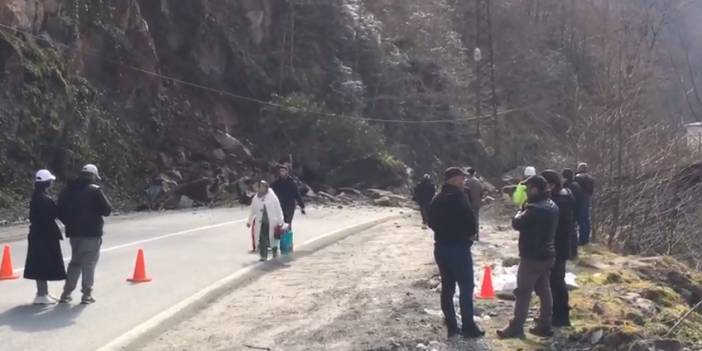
44,257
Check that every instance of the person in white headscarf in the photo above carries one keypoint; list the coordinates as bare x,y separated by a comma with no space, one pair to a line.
44,257
268,214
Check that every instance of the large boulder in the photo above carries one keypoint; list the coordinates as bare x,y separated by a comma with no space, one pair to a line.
370,172
326,196
387,198
185,202
198,190
487,186
219,154
351,191
232,144
377,193
158,193
385,202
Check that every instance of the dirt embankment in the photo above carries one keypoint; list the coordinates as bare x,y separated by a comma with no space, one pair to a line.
379,290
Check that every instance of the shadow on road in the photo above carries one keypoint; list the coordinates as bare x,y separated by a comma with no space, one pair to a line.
30,318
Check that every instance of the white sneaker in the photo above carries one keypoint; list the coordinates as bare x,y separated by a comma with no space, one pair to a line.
43,300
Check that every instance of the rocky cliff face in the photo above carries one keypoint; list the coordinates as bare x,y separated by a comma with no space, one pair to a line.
172,90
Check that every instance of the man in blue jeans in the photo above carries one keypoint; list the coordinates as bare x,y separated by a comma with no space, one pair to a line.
587,184
451,219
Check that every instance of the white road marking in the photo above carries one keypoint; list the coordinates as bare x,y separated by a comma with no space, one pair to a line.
165,236
121,342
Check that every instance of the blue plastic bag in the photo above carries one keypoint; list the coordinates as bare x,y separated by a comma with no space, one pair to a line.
286,243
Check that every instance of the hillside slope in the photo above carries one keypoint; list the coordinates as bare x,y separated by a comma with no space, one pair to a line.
201,93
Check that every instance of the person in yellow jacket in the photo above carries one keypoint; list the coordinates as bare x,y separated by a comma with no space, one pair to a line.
519,197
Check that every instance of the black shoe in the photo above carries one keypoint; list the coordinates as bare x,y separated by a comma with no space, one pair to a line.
541,331
65,299
452,329
510,333
472,332
87,300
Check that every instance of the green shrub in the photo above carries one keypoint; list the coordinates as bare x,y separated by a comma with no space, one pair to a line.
302,125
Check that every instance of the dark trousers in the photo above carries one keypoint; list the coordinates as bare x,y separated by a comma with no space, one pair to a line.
584,225
424,209
264,242
573,243
476,215
42,288
288,213
559,291
456,267
533,276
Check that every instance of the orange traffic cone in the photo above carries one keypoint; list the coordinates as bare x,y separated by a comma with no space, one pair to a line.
6,271
487,292
140,269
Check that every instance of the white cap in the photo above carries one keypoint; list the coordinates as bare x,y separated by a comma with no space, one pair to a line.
529,171
91,169
44,176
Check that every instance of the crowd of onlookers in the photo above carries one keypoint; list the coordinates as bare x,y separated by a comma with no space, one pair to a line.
553,219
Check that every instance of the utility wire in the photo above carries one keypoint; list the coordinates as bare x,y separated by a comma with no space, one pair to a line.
13,31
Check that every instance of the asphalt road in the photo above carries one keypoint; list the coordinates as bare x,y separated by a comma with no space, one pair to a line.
185,252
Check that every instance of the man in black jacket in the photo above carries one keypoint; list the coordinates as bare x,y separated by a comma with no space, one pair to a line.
577,191
587,183
565,201
288,194
537,224
423,194
451,219
82,206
